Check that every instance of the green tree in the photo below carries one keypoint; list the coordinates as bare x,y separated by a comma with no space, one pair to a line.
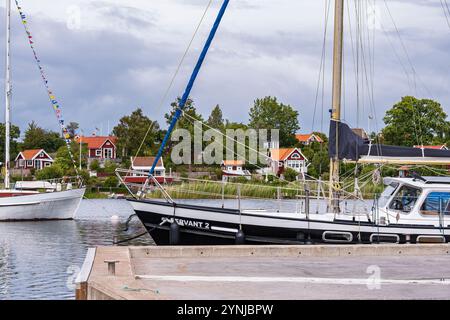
39,138
15,134
268,113
215,120
48,173
187,120
290,174
415,121
131,131
72,128
64,161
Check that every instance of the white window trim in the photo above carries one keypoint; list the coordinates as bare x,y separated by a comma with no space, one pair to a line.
98,152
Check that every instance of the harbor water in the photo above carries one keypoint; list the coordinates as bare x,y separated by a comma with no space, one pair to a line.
40,260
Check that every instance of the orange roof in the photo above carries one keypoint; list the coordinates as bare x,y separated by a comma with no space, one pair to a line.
145,161
281,154
443,146
307,137
233,162
96,142
30,154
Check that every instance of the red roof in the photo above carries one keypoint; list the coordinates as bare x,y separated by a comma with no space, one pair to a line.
96,142
307,137
30,154
145,162
233,162
281,154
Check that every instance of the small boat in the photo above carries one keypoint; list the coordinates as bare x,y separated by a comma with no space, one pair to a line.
37,200
410,210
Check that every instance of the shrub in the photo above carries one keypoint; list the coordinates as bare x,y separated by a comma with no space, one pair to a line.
111,182
290,174
48,173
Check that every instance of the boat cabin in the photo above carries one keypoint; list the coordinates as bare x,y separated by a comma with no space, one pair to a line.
424,200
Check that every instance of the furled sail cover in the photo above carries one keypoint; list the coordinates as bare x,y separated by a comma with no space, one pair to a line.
354,148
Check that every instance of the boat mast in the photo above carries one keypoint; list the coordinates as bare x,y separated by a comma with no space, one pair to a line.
337,98
7,94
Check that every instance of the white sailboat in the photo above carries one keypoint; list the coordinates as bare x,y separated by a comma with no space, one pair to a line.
410,210
57,201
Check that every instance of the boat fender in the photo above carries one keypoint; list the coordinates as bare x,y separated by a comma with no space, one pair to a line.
174,233
240,237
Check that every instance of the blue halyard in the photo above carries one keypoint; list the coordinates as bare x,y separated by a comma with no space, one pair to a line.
187,92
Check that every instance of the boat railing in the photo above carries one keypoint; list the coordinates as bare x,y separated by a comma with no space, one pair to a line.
310,196
50,185
140,190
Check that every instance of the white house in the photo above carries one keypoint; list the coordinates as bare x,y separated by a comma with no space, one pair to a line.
234,168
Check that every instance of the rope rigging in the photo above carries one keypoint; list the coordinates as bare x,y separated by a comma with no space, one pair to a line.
55,104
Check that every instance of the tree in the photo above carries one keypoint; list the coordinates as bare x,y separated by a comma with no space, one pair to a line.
131,131
72,128
64,161
187,120
215,120
14,135
415,121
268,113
48,173
39,138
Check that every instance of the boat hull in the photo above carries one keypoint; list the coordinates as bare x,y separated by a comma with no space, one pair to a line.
61,205
210,226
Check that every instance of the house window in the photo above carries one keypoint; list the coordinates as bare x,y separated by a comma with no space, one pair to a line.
30,163
20,162
296,156
98,152
157,173
42,155
108,153
48,164
436,203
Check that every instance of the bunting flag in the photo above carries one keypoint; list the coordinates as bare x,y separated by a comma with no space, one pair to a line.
56,106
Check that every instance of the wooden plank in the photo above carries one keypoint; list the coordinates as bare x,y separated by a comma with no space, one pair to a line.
83,276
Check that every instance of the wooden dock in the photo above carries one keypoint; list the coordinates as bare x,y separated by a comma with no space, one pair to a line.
266,272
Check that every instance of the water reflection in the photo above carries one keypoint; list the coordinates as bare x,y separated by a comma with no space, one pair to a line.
39,260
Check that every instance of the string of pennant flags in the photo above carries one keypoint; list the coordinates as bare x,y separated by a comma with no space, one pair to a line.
55,104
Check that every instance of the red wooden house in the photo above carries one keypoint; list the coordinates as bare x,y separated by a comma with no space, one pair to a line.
281,159
33,159
307,139
100,148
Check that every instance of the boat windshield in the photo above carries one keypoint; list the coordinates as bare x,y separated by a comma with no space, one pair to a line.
405,199
387,194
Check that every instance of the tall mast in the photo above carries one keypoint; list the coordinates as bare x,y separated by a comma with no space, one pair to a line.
7,93
337,95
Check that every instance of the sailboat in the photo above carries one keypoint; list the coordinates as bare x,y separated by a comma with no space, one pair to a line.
25,201
410,210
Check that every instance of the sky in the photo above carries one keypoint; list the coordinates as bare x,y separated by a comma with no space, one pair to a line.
106,58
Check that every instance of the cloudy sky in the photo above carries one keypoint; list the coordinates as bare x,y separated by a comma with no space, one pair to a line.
105,58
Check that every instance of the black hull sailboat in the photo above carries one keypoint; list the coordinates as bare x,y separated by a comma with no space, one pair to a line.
410,210
184,224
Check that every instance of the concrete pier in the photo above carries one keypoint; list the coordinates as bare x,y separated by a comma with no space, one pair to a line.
266,272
